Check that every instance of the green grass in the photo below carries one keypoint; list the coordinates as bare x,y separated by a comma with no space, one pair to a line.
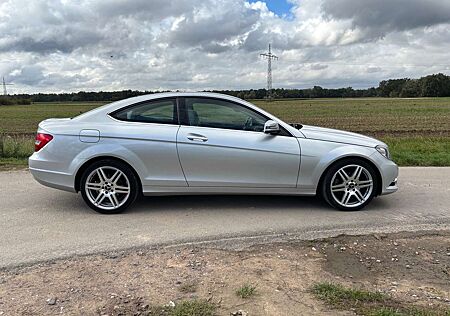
24,119
16,146
246,291
417,130
419,151
369,303
186,308
188,287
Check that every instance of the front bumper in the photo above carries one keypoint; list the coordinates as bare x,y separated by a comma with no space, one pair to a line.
389,173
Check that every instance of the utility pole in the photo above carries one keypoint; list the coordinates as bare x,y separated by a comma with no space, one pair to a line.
5,93
269,56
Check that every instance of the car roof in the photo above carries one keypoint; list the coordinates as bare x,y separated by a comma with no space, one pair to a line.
110,107
99,113
180,94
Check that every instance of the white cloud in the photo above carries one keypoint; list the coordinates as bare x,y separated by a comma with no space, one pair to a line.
59,45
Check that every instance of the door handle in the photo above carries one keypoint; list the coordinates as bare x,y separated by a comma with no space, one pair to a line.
197,138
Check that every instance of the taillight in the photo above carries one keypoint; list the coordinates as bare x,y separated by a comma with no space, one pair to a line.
41,140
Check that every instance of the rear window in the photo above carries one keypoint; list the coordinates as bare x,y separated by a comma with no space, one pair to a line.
160,112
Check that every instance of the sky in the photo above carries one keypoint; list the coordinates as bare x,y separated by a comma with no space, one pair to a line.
93,45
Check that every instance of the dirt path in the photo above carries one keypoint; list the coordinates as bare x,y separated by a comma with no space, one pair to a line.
412,268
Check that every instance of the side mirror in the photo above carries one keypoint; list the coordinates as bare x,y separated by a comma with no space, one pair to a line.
271,127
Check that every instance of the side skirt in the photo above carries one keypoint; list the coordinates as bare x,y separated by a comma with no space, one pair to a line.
158,191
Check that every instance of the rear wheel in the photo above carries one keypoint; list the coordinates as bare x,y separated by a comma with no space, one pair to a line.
349,184
109,186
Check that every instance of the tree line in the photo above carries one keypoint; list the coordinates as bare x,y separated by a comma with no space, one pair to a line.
437,85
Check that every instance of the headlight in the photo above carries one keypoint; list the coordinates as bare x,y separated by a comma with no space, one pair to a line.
384,151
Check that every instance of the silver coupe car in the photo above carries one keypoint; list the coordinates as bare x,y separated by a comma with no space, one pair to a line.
205,143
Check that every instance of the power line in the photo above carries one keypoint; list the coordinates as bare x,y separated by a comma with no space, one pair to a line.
269,56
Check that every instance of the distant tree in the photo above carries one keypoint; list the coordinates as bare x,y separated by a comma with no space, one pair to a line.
411,89
391,88
435,85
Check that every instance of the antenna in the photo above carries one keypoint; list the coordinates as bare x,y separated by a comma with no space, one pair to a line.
269,56
5,93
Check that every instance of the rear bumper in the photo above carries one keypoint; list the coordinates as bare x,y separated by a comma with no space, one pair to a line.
50,178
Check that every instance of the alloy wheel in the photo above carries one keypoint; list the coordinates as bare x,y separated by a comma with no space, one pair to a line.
351,185
107,187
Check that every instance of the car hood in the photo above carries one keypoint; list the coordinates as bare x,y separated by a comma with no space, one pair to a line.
338,136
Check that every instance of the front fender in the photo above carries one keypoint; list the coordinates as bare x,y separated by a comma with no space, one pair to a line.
318,155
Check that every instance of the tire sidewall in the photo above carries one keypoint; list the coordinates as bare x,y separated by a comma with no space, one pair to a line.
326,184
134,186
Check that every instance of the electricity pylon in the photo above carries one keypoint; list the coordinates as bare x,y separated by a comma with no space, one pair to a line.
269,56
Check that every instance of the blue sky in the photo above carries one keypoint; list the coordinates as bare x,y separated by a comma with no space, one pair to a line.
279,7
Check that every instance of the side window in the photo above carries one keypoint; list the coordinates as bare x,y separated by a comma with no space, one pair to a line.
223,114
160,111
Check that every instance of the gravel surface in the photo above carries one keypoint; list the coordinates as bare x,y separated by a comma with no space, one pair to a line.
412,270
40,223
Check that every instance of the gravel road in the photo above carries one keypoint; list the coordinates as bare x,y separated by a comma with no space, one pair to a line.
39,223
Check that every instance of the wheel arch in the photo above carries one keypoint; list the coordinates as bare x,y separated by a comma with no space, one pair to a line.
87,163
354,157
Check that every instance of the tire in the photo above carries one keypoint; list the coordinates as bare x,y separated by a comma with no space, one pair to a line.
349,184
109,186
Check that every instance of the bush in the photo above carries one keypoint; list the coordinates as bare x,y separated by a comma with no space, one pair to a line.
5,100
18,147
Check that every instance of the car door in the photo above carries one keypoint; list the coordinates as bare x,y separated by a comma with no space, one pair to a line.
223,145
148,131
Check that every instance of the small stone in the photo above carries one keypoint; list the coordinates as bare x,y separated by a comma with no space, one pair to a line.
394,283
171,304
51,301
239,313
378,261
408,266
395,243
448,253
379,236
313,249
417,252
342,248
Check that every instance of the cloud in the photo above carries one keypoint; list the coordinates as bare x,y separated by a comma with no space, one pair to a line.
380,17
60,45
215,30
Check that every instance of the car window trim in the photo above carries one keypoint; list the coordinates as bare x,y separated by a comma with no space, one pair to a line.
184,119
175,115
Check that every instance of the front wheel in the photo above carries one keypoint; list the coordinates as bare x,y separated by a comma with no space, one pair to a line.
349,184
109,186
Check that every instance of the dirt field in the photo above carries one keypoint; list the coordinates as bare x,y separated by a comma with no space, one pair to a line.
416,130
404,270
